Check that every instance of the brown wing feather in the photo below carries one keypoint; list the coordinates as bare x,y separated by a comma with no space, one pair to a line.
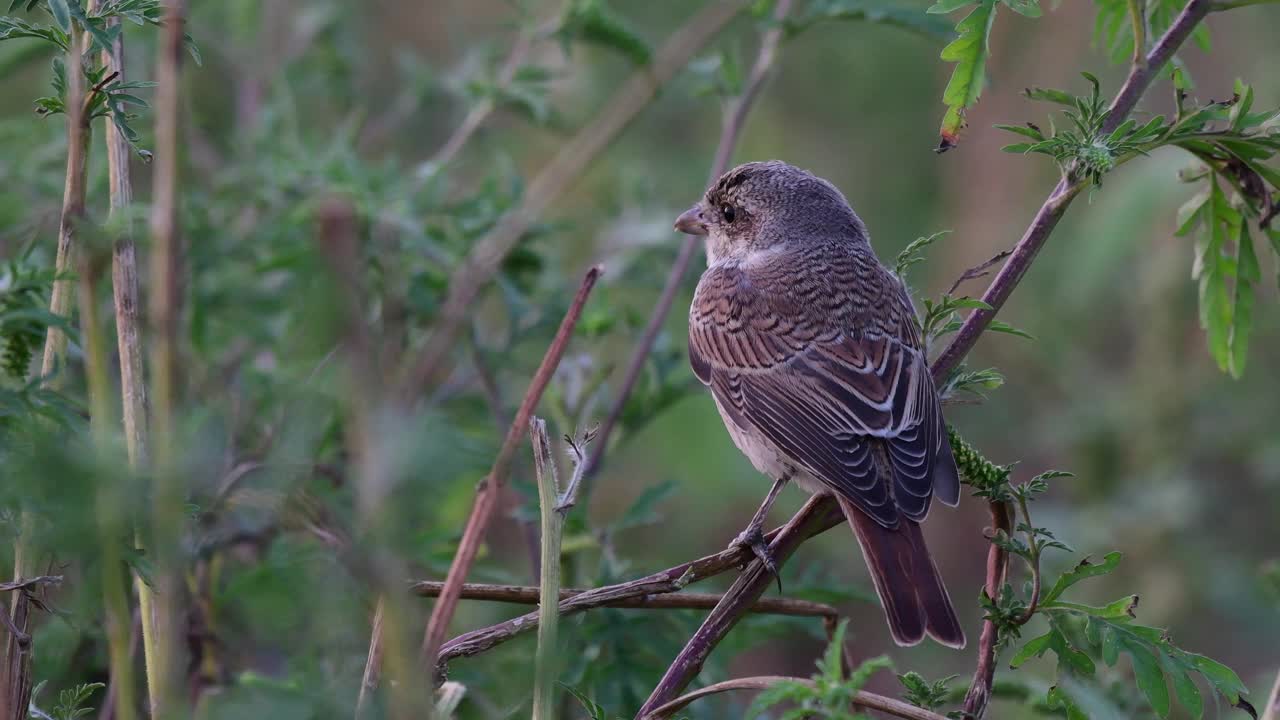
828,390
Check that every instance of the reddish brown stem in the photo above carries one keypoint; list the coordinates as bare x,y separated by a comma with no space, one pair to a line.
975,701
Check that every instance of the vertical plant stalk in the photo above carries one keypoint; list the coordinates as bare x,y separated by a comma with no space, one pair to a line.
491,486
109,505
569,163
17,685
735,119
552,516
165,662
374,476
124,284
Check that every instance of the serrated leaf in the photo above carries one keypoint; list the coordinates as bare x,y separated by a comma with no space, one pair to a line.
1082,571
1247,272
61,14
969,52
1003,327
1035,647
1150,677
1183,686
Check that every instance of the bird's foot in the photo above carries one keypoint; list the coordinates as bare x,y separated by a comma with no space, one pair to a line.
753,539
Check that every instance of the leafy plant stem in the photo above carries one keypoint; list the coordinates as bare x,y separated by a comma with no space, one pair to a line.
1138,18
1033,560
979,693
1051,211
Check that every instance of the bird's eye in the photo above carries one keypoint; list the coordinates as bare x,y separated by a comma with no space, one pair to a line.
727,212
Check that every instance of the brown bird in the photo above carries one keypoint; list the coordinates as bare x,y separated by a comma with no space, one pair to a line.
812,352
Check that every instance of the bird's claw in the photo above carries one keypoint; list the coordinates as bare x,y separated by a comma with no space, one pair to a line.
753,539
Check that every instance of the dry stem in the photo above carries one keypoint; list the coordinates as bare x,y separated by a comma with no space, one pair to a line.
164,662
649,600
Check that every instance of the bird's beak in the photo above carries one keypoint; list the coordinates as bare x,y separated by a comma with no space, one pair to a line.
691,222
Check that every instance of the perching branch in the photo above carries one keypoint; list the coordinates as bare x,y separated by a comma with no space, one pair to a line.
572,159
649,599
735,119
491,486
818,515
864,699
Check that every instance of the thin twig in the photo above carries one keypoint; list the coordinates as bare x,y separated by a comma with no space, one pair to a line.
650,600
863,699
165,662
735,119
1046,218
489,489
817,515
978,271
571,160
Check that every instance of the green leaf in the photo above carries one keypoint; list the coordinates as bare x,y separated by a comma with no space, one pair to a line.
1035,647
948,6
1247,272
1003,327
1056,699
596,23
593,709
881,12
969,52
1082,571
1028,8
61,14
1183,686
1149,676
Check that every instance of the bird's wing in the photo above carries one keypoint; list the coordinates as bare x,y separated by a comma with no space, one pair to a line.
829,397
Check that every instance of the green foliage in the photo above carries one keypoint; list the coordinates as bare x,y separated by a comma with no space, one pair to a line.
873,11
24,317
594,22
914,253
925,694
1232,146
70,704
829,695
1113,27
1083,148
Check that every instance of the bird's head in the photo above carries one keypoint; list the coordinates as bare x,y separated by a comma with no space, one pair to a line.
763,206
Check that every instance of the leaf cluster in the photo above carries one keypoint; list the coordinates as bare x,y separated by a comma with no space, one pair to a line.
831,693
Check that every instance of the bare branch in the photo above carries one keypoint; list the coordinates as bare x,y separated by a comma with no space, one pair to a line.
979,694
491,486
650,600
864,699
572,159
735,119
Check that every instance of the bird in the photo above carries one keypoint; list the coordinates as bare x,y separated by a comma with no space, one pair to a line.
813,354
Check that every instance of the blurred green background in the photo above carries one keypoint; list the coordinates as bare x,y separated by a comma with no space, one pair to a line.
1176,464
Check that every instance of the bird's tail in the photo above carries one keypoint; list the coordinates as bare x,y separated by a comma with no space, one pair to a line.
915,600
